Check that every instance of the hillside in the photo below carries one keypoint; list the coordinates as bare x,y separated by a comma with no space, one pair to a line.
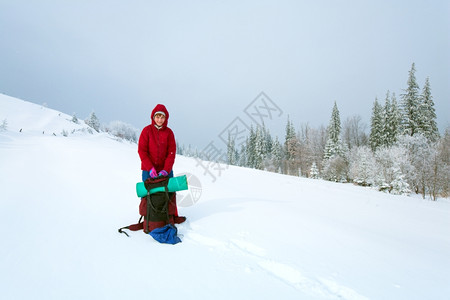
251,235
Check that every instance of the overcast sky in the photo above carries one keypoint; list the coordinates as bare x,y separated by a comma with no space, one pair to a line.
207,61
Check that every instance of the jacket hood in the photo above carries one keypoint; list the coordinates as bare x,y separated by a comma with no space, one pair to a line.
160,107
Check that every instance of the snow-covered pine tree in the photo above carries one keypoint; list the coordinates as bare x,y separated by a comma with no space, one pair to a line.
334,145
93,122
376,127
255,148
259,149
399,186
290,135
335,165
268,142
410,105
277,156
190,151
394,121
386,114
250,148
180,149
314,171
290,149
231,150
75,119
427,112
242,156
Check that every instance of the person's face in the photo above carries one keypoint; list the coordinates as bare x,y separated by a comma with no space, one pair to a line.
159,119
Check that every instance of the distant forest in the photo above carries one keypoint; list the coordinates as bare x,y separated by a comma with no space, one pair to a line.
403,153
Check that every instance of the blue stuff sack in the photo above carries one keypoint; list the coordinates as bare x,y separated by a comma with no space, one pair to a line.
166,234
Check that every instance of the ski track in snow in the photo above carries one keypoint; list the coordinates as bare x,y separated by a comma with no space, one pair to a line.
317,288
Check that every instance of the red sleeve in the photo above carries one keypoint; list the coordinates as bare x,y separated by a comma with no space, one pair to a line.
171,151
146,163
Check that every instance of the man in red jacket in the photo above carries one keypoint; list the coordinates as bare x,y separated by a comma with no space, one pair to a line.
157,150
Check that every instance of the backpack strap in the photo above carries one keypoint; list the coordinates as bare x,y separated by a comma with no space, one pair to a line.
167,203
149,207
133,227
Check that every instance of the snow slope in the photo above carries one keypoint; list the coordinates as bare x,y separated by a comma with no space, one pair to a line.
252,234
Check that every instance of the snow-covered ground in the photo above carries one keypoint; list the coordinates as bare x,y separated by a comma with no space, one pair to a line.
251,235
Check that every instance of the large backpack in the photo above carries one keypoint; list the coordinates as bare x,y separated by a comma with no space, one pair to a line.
157,210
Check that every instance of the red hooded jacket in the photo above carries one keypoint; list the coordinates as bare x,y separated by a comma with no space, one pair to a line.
157,147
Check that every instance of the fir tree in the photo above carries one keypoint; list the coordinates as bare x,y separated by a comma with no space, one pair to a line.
314,171
75,119
259,149
386,115
290,148
277,155
377,126
394,121
334,130
242,157
391,119
410,105
250,148
335,166
93,122
428,114
231,150
180,149
268,142
289,137
333,145
399,186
